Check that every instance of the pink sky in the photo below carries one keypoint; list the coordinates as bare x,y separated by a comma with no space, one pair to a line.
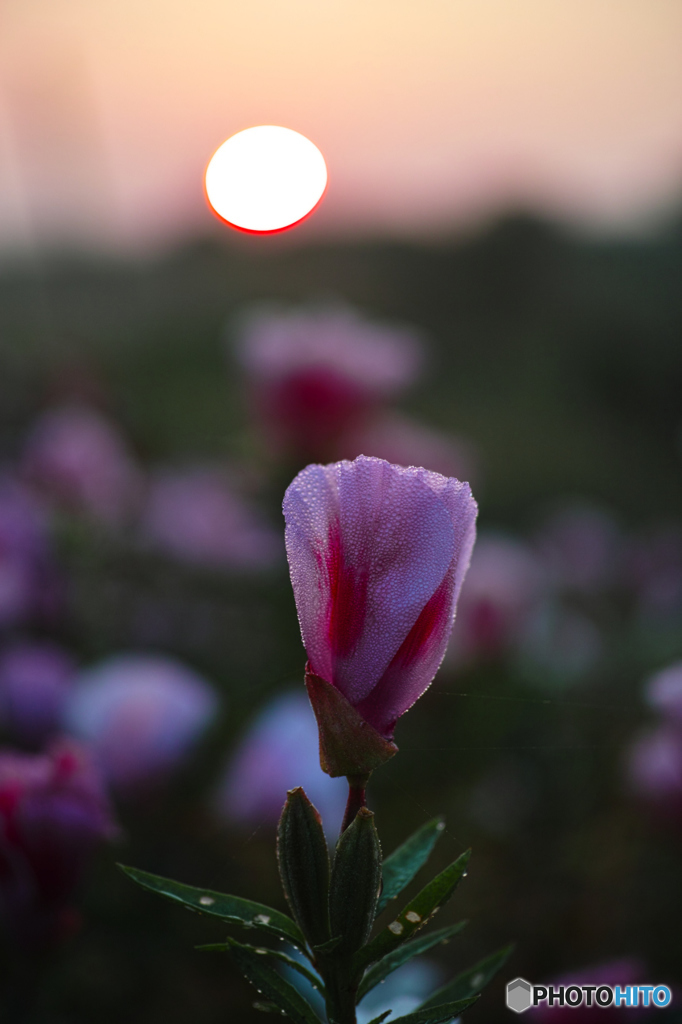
431,115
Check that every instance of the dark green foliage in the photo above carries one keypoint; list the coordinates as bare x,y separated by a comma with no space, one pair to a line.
303,861
402,954
437,1014
335,909
228,908
224,947
415,914
472,982
256,968
355,880
404,863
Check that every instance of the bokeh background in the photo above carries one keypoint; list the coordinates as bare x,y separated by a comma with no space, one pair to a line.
505,200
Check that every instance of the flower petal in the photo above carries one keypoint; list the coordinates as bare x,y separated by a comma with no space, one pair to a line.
369,544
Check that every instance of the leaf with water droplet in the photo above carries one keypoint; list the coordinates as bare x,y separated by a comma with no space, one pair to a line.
223,947
233,909
402,954
471,982
403,864
441,1014
269,982
417,912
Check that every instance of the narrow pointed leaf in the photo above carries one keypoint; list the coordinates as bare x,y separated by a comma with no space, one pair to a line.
441,1014
355,880
404,863
223,947
417,912
328,947
233,909
270,983
303,861
472,982
382,1017
402,954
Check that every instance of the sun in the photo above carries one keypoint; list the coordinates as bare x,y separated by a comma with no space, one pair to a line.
265,179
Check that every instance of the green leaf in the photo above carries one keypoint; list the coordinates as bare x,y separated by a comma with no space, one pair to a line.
223,947
355,880
417,912
233,909
270,983
404,953
404,863
328,947
441,1014
472,982
381,1017
303,861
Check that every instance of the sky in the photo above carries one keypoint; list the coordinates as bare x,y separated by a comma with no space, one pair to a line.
432,115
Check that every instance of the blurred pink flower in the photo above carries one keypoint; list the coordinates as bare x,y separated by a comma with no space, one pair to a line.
53,814
80,459
28,580
663,692
627,971
504,582
655,574
195,515
278,752
405,442
316,371
654,770
141,715
581,548
35,678
377,555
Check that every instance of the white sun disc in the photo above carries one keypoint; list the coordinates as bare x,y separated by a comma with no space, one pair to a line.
265,178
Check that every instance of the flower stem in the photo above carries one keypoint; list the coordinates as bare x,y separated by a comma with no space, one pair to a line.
356,798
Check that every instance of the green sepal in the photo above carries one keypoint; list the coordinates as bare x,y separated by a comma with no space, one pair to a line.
232,909
303,860
402,954
404,863
441,1014
223,947
348,744
270,983
417,912
472,982
381,1017
355,881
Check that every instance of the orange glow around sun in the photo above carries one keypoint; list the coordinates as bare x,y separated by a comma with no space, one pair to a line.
265,179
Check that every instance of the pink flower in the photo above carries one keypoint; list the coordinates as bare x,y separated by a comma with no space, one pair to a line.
377,555
278,752
407,443
141,715
28,581
196,516
654,771
53,814
504,583
79,458
35,679
316,371
664,693
581,548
